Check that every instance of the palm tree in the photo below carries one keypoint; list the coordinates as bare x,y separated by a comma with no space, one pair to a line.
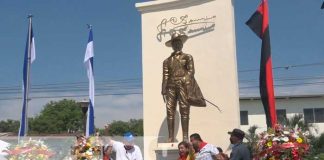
297,121
317,148
252,139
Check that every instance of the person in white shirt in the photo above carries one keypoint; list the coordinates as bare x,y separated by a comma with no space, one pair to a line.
204,151
126,150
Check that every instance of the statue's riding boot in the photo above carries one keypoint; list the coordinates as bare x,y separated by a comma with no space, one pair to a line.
171,130
185,128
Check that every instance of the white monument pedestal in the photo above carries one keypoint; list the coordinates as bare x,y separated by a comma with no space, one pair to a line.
167,151
210,27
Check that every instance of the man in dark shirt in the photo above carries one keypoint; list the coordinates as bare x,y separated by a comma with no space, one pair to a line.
239,150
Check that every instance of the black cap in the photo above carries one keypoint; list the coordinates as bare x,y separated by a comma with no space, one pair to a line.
237,133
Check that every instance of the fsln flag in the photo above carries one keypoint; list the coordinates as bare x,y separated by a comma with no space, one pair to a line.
88,60
30,56
259,24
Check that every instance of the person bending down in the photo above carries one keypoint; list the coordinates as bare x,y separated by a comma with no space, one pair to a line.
126,150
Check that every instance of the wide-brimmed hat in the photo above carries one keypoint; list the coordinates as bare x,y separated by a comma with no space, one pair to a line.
237,133
175,36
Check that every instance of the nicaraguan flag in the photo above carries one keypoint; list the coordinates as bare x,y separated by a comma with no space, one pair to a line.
30,48
88,60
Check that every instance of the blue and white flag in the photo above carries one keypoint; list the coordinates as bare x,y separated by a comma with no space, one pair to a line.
30,56
88,60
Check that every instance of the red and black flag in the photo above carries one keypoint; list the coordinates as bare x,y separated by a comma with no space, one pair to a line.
259,23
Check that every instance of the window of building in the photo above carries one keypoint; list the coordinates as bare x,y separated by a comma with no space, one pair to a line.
309,115
314,115
319,115
244,117
281,116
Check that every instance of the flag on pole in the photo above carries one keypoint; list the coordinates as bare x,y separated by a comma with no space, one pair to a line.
30,56
88,60
259,24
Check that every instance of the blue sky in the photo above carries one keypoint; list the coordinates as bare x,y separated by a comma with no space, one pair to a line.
296,29
296,32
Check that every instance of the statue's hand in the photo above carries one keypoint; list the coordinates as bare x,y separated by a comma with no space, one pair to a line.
163,92
164,88
164,98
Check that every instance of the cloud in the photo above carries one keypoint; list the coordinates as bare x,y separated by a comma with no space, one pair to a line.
110,108
10,109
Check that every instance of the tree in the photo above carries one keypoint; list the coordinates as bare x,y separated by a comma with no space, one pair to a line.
136,126
58,117
317,148
252,139
66,115
297,121
118,128
9,126
319,143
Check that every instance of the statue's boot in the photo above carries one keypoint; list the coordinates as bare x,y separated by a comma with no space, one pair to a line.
185,128
171,130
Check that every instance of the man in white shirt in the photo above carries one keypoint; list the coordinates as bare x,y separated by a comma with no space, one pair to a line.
204,151
126,150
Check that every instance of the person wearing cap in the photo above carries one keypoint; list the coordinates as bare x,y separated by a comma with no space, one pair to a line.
204,151
126,150
239,150
179,85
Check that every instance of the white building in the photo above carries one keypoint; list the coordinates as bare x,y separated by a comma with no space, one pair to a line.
311,106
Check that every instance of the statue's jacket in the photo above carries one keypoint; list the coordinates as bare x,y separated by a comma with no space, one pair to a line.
178,71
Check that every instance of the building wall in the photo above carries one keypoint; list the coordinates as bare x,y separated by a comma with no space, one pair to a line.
291,105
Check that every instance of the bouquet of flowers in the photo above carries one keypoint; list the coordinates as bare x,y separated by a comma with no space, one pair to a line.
87,148
29,150
282,143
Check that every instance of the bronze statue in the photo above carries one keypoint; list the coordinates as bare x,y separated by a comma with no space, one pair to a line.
179,85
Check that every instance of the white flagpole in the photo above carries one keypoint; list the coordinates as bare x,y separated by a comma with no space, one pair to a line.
30,16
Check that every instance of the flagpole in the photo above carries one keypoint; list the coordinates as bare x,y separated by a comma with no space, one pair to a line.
89,64
89,26
30,16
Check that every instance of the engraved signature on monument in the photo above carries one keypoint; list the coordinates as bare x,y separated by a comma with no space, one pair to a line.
185,25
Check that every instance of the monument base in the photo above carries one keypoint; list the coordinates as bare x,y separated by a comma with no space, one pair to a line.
167,151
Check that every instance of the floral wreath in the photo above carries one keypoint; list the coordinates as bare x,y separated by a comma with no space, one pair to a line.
87,148
29,150
281,143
